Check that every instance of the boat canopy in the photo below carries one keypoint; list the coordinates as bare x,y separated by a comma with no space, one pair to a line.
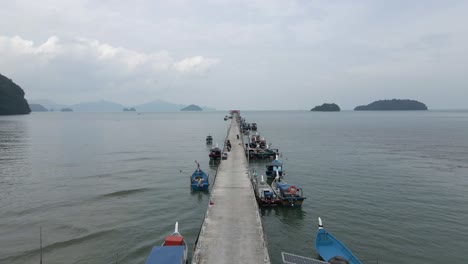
215,149
276,163
166,255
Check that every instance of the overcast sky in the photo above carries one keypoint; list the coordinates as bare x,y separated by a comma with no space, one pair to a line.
246,54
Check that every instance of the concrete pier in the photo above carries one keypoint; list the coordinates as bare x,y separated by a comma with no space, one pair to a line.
232,230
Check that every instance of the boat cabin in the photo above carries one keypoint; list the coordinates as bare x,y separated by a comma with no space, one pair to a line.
173,241
273,167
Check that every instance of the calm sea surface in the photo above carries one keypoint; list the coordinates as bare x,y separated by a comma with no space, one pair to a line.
106,187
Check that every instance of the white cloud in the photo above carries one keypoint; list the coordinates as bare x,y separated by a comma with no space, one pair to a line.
19,46
80,69
195,64
104,54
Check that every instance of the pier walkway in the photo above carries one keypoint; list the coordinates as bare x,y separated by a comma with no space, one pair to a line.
232,230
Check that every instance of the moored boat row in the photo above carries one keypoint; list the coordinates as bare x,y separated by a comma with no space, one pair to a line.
279,192
282,193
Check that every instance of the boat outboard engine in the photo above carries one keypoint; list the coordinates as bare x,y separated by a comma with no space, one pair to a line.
338,260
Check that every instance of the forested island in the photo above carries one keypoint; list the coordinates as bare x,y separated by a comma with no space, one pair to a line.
12,101
326,108
132,109
394,104
192,107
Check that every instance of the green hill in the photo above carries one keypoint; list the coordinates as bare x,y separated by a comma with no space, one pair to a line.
394,104
12,100
192,107
326,108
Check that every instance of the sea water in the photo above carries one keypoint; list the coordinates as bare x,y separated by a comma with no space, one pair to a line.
106,187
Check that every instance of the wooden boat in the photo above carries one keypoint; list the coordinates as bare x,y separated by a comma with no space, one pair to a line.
209,139
215,153
254,127
273,167
172,251
199,179
330,248
257,153
258,142
264,193
288,194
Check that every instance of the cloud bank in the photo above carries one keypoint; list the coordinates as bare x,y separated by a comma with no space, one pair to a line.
81,69
103,54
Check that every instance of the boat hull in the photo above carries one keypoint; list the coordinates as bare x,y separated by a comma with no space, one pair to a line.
197,187
328,247
268,202
272,174
296,202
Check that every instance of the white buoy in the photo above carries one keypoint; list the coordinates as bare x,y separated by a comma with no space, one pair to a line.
176,227
320,223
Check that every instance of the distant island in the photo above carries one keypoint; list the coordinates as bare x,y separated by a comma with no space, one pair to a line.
192,107
132,109
37,108
394,104
108,106
12,101
66,109
326,108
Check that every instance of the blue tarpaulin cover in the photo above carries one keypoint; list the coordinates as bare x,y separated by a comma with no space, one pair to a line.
276,163
283,187
166,255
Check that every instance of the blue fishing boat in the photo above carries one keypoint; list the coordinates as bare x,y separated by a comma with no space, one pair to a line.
199,179
330,248
288,194
273,167
173,251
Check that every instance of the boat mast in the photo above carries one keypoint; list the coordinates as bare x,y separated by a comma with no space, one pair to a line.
40,244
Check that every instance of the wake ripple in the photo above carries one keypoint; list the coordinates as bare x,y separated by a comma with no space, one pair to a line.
124,192
55,246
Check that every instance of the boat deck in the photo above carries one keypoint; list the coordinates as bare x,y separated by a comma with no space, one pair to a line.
232,230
